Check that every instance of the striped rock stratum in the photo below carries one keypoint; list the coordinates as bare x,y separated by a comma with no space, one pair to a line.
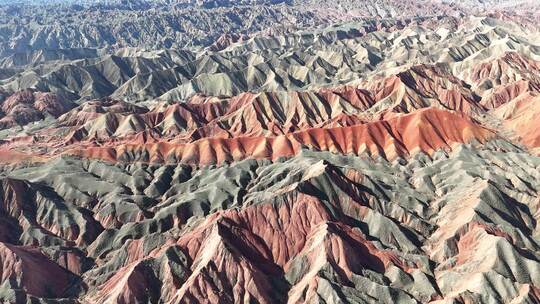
268,151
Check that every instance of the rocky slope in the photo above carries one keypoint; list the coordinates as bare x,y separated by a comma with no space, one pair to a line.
335,159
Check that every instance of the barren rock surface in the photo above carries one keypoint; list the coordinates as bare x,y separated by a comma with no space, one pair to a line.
261,151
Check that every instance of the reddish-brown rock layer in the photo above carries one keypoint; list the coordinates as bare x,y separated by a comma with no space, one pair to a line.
426,131
23,107
424,86
247,114
521,116
246,250
33,271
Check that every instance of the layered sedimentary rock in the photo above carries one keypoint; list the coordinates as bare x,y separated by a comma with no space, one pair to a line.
424,131
305,152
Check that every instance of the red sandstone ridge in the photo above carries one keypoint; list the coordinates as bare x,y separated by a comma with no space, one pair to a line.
423,86
32,271
521,116
23,107
251,247
500,80
426,130
510,67
226,40
500,95
248,114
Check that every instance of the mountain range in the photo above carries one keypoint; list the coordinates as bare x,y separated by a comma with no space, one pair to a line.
301,151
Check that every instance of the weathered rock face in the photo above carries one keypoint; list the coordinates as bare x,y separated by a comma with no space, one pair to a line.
24,107
371,161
